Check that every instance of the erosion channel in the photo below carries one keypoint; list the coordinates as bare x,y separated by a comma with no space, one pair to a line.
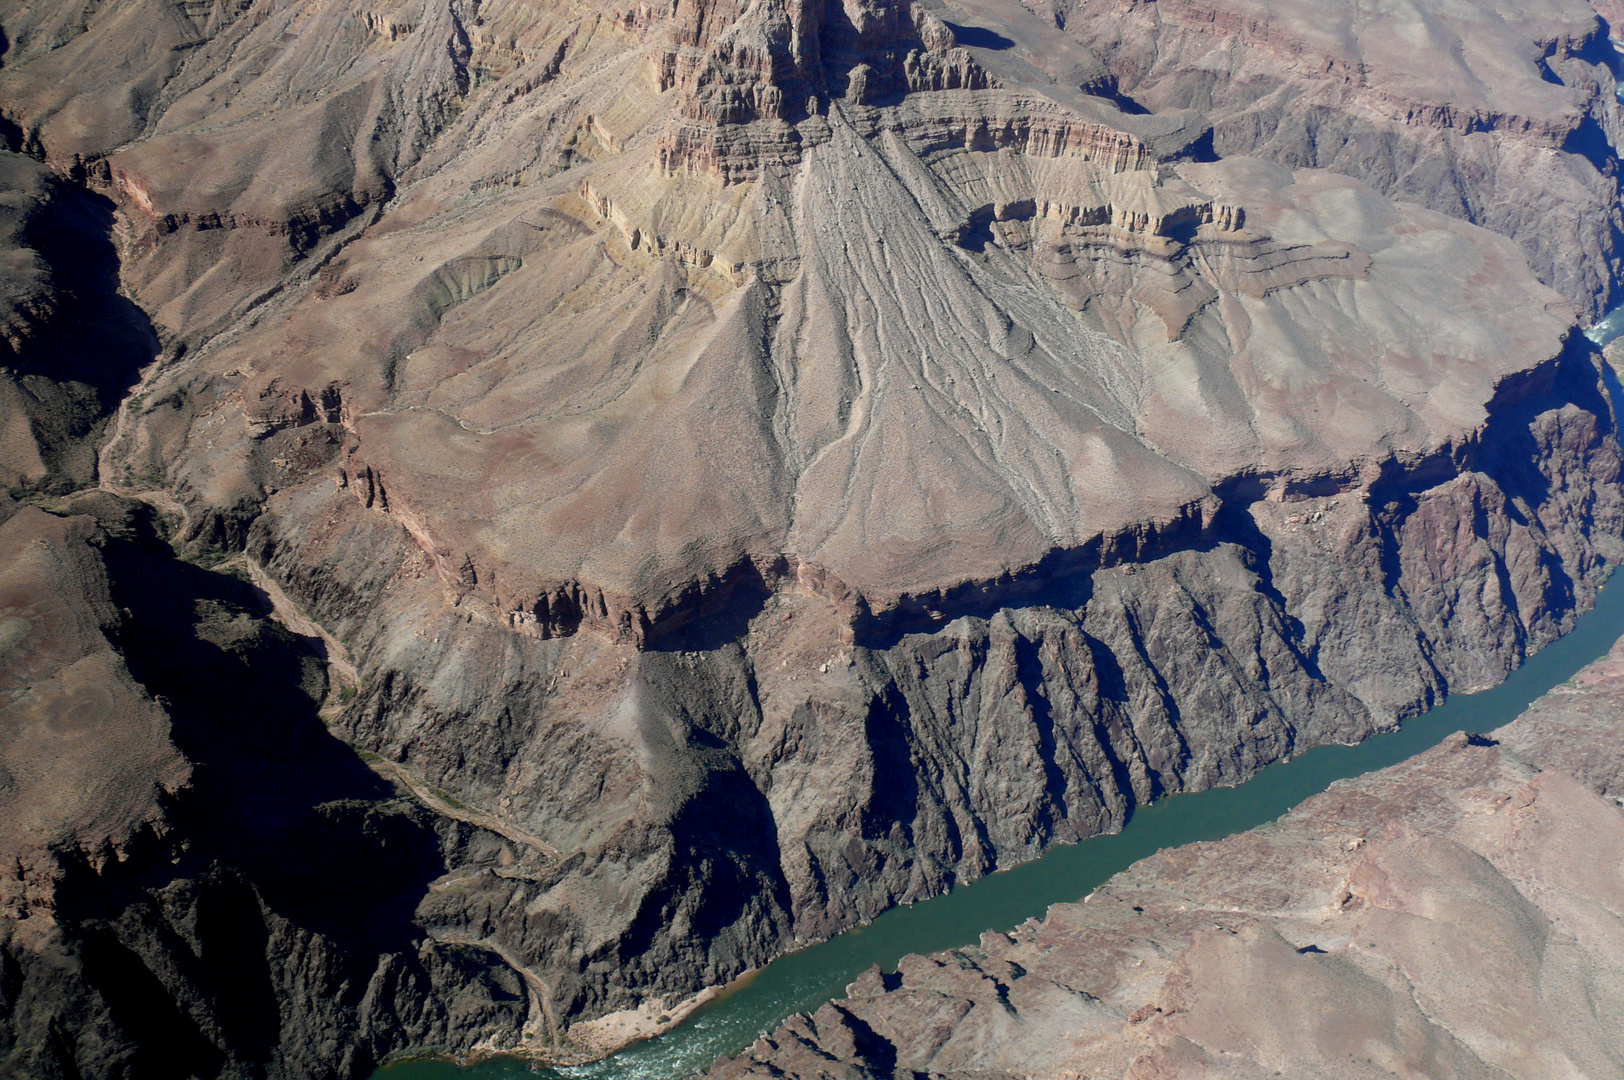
803,980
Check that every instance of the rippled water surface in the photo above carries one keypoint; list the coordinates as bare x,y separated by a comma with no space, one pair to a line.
806,979
1610,325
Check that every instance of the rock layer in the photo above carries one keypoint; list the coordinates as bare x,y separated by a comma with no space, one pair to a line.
749,465
1280,624
1502,114
1454,915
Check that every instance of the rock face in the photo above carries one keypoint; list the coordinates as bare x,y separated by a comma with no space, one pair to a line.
749,465
1498,113
71,346
1454,915
191,887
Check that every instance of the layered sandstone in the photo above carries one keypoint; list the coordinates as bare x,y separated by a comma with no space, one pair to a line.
1502,114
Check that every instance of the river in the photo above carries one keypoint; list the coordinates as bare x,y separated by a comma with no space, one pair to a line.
804,980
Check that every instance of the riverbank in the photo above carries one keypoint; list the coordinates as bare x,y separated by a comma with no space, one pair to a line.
1451,915
804,981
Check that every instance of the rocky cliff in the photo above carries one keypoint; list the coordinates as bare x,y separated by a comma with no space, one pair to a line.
1502,114
739,468
1454,915
199,879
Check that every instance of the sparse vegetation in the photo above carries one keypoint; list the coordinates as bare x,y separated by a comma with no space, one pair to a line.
447,798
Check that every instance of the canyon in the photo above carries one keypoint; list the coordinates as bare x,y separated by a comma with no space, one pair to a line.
519,512
1455,915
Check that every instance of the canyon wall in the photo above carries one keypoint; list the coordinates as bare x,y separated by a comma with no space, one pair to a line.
569,503
1452,914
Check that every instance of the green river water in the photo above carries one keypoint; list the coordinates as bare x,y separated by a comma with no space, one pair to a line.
804,980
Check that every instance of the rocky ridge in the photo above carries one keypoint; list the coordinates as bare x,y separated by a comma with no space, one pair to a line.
1501,114
197,890
1454,915
746,467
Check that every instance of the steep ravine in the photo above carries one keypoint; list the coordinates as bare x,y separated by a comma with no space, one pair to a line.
199,879
1450,914
1012,901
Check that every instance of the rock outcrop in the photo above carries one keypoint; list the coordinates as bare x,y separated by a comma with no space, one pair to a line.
1454,915
1501,114
863,765
745,466
196,878
70,346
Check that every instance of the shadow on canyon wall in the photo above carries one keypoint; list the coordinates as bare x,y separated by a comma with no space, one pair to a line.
90,354
288,864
